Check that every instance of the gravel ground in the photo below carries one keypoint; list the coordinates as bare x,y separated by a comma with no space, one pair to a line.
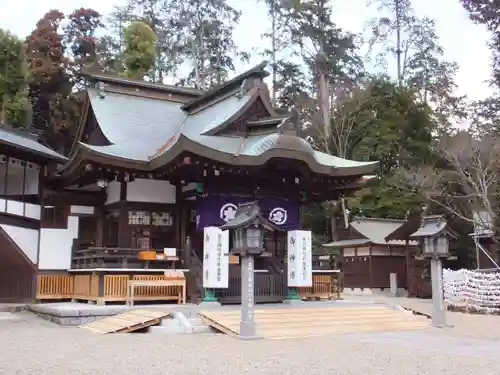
31,346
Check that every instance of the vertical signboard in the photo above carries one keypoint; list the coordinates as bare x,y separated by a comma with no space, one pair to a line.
299,258
215,258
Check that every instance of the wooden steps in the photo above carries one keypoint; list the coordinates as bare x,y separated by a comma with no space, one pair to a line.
129,321
305,322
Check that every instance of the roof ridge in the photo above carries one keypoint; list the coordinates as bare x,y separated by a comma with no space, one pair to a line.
257,70
104,77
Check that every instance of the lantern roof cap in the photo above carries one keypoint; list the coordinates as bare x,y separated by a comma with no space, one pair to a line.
249,214
432,226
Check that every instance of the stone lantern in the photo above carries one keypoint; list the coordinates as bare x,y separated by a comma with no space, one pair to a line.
433,236
247,230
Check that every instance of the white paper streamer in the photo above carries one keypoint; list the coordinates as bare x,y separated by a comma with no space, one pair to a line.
479,290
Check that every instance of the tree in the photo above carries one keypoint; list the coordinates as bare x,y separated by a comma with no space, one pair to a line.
139,53
466,183
279,36
206,36
81,40
49,81
395,129
328,51
414,43
160,16
487,12
13,88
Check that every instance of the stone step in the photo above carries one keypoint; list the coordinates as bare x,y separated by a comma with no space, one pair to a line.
199,326
170,323
166,330
203,329
196,321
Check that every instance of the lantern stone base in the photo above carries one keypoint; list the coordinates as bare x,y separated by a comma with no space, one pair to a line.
209,299
247,331
209,305
293,297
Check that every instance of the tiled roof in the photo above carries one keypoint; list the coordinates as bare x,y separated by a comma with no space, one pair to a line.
126,118
374,231
30,144
144,130
139,128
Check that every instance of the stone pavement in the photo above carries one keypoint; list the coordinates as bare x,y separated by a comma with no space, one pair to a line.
31,346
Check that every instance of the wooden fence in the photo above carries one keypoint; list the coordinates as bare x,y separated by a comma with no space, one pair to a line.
324,287
113,288
273,288
268,288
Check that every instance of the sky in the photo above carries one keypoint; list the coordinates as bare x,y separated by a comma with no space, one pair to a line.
463,41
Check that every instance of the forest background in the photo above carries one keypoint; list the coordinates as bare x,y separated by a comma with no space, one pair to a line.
386,94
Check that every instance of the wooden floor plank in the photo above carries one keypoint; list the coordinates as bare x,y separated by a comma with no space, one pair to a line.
127,322
305,322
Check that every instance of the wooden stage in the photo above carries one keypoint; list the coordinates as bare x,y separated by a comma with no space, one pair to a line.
307,322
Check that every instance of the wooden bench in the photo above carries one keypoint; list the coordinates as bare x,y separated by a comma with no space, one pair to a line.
132,284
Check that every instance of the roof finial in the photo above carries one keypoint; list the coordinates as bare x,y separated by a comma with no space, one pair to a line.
100,88
245,87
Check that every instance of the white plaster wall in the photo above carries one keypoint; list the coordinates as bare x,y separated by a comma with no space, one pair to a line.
113,192
26,239
33,211
16,208
55,246
15,180
154,191
376,251
82,210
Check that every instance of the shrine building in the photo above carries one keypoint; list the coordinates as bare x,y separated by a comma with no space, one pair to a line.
152,165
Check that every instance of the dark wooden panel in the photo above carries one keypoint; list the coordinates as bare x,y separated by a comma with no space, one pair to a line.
383,266
268,288
356,272
17,285
17,272
11,256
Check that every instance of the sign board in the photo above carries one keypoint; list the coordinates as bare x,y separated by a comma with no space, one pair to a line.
215,258
299,258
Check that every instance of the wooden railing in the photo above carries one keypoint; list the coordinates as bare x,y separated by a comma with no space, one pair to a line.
54,286
112,257
114,288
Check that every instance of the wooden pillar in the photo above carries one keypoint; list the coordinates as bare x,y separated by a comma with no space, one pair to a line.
99,229
186,245
370,265
123,230
407,257
180,232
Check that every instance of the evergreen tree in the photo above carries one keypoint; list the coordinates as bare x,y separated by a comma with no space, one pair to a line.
139,52
13,88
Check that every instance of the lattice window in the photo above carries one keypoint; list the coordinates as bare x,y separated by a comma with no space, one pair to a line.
141,238
162,219
139,218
